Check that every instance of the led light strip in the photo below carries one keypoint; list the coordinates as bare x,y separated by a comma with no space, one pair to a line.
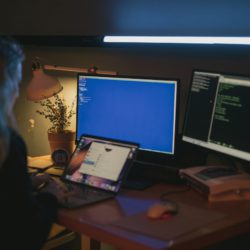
178,39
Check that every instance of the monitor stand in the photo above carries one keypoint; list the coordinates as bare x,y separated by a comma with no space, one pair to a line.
137,177
137,184
143,175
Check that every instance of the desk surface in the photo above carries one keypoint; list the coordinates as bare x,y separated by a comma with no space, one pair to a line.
95,220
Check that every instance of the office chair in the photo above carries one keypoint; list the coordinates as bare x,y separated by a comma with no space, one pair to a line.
59,236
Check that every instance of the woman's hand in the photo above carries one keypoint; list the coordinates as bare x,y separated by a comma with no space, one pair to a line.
40,180
57,189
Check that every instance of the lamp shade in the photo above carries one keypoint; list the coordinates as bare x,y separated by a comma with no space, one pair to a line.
42,86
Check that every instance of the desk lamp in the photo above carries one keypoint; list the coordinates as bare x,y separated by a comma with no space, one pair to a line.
43,86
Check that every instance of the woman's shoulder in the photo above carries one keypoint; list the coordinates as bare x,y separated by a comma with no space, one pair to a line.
15,136
17,144
15,165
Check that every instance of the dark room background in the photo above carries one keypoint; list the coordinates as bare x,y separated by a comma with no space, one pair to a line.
65,33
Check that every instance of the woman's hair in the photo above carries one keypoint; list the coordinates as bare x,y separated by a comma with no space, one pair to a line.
11,57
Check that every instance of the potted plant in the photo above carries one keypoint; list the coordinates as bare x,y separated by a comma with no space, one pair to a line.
59,114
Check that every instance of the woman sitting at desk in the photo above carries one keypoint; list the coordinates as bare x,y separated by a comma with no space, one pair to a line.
25,218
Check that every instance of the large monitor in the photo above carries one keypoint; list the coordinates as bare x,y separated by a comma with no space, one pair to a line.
218,113
129,108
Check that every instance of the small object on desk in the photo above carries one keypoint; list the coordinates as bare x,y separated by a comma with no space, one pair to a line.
218,184
162,210
216,172
60,157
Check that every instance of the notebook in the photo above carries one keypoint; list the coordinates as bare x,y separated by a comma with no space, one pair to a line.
97,169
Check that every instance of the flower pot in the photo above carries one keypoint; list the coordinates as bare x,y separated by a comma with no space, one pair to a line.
62,146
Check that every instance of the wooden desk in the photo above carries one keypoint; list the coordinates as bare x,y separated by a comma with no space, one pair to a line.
94,220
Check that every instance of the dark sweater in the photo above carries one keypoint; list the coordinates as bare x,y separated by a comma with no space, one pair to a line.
25,216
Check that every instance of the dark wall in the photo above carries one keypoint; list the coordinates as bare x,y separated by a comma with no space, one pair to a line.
130,17
77,20
159,61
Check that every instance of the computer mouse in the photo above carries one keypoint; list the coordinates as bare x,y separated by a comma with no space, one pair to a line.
162,210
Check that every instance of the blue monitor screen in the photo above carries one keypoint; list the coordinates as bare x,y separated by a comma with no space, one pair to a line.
130,109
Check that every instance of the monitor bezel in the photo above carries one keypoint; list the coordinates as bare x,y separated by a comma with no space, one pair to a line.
209,149
145,156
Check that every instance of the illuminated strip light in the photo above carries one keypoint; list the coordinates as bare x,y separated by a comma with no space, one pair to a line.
178,39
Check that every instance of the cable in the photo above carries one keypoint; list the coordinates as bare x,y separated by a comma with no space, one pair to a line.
164,198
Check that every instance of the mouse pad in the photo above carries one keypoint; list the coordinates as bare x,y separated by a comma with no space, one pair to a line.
188,218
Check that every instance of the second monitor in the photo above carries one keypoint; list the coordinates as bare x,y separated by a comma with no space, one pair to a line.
218,113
